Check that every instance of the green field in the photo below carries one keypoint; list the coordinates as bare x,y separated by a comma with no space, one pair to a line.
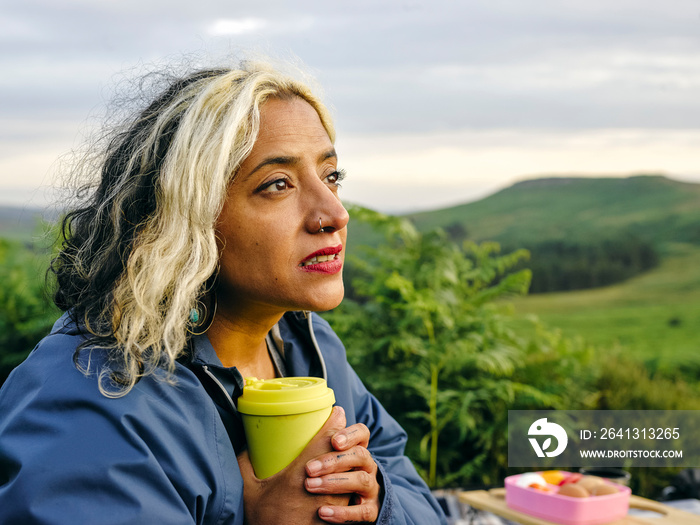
654,208
654,317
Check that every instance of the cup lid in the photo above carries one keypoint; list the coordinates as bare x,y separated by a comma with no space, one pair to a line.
284,395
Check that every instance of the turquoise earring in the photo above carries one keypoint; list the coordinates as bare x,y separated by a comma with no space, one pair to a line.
201,314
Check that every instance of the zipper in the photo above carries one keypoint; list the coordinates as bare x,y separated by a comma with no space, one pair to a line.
223,389
318,350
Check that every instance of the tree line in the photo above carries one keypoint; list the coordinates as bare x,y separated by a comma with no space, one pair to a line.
571,264
578,262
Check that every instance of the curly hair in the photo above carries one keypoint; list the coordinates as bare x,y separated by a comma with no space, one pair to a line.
139,250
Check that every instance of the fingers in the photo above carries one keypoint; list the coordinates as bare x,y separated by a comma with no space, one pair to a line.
335,423
354,482
357,434
285,492
342,461
351,472
321,443
364,513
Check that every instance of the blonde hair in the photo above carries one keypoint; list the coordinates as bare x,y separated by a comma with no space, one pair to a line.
138,255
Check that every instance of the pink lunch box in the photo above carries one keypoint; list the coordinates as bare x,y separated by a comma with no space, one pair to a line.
567,510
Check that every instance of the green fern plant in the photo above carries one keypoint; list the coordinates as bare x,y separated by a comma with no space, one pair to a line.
429,339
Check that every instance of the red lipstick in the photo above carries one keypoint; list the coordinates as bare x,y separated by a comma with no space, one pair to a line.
325,260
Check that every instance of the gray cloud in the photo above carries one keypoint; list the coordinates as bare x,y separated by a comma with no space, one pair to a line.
408,66
446,51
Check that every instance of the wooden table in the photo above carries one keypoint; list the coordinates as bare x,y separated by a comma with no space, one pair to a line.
494,501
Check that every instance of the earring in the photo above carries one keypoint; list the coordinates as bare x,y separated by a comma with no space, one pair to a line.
199,316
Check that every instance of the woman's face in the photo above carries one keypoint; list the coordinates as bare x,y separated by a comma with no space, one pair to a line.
269,226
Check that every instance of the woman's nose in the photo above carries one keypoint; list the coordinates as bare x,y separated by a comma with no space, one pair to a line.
326,214
332,222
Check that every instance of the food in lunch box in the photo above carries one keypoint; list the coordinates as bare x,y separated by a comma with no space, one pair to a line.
590,482
569,484
574,490
586,486
569,502
571,478
553,477
533,480
604,489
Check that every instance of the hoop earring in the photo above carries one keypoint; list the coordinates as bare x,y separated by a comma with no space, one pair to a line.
200,315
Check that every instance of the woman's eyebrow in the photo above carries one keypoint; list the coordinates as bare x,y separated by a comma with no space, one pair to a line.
290,161
282,160
328,155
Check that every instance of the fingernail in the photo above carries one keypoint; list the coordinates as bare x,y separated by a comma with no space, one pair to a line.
341,410
341,440
325,512
313,466
312,483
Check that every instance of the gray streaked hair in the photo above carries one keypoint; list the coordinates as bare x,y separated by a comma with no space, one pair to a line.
140,249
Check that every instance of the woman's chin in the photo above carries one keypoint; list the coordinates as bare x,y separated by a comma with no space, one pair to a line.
327,301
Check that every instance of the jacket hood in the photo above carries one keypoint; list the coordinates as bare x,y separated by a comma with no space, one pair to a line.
67,325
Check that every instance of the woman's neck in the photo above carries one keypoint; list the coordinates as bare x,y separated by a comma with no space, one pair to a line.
239,340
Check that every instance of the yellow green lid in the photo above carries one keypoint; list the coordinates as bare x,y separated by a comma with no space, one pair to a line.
284,395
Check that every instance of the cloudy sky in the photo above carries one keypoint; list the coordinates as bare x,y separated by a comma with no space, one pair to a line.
436,102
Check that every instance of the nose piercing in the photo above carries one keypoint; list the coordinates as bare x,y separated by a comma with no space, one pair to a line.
320,226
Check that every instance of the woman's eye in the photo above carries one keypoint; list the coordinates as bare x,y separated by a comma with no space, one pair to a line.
275,186
336,177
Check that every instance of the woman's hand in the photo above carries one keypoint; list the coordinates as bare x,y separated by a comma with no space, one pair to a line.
282,498
350,468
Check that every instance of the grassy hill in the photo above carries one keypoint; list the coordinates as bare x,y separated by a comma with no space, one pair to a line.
582,232
654,208
653,316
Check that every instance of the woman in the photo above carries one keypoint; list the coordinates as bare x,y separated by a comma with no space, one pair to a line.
214,231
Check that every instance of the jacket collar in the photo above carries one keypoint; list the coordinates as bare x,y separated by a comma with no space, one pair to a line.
301,351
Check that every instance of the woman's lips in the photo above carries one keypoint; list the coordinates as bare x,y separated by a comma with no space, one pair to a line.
326,260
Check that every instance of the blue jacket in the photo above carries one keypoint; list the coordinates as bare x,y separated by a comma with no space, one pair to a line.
166,453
